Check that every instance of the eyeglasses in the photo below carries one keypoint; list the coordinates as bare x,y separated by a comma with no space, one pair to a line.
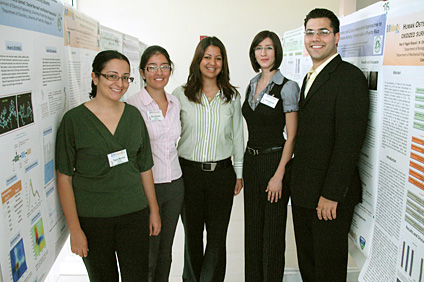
322,32
163,68
260,48
114,77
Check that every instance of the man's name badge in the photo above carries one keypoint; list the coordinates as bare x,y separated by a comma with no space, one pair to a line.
117,158
155,115
269,100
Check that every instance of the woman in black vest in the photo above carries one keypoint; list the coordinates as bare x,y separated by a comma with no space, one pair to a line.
271,104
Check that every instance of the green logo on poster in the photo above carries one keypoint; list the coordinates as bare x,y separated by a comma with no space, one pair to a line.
59,22
378,45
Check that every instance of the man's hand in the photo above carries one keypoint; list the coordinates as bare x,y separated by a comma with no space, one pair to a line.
326,209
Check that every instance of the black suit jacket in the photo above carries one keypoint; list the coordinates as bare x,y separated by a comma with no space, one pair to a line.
332,125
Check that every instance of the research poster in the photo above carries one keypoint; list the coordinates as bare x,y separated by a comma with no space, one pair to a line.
82,43
361,43
32,86
296,61
111,39
46,52
131,49
386,41
142,46
398,243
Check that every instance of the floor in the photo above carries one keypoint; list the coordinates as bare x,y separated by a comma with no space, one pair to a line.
69,267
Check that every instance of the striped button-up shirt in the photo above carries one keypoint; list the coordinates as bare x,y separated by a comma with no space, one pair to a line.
211,131
163,135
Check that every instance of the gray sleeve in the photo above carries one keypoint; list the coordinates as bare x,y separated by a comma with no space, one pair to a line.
290,96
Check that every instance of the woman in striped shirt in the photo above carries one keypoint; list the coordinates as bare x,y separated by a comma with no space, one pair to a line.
161,113
211,134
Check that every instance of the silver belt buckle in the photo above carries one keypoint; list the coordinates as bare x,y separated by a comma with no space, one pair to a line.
252,151
208,166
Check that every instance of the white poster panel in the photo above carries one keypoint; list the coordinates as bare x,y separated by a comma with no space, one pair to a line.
361,43
142,46
111,39
398,242
296,60
82,43
131,49
32,78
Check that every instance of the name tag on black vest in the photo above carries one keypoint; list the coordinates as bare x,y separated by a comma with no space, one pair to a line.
269,100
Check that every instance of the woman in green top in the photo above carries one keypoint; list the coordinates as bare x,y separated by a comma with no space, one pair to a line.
105,183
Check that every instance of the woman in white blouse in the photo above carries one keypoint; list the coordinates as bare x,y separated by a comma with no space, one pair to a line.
211,134
161,113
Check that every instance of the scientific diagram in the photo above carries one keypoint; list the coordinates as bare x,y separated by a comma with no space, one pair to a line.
18,260
25,113
34,198
38,238
15,111
8,114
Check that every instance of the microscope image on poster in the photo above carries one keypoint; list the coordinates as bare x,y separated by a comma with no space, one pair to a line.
8,114
25,112
18,261
15,111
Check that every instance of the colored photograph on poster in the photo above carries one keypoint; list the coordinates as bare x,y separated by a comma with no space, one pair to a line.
25,112
18,261
8,114
38,238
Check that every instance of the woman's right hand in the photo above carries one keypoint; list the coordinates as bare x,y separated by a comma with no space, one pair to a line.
79,245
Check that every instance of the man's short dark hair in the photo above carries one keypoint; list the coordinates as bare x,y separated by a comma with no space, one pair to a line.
324,13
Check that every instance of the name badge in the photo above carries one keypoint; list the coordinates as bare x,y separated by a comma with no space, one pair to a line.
117,158
269,100
155,115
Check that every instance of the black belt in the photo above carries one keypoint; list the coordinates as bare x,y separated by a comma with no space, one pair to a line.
207,166
253,151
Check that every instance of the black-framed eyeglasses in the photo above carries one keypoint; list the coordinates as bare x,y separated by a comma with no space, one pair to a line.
163,68
321,32
114,77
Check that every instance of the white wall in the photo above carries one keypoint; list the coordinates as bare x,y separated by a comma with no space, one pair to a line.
177,25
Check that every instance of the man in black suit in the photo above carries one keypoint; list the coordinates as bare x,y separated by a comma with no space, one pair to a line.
325,183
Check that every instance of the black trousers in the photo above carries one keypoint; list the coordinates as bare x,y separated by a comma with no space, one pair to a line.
265,222
322,246
170,200
125,237
208,200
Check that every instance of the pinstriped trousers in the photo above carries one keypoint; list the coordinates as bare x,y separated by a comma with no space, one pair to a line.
265,222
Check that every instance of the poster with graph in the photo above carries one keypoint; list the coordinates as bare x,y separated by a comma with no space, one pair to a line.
32,101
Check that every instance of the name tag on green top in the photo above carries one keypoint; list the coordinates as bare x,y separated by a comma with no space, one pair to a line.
117,158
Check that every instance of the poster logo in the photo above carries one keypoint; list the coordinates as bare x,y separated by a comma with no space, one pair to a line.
362,242
392,28
378,44
59,22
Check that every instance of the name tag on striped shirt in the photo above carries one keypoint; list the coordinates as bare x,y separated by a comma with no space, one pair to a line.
155,115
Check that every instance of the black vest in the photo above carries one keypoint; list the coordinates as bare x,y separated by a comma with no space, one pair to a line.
265,124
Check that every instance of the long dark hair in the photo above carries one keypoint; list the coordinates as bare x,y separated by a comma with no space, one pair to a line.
194,84
99,64
154,50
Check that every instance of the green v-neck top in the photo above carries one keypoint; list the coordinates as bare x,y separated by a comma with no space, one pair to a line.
82,145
